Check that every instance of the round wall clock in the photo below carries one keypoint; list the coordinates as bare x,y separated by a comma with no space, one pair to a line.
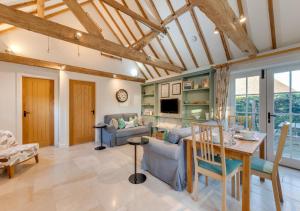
122,95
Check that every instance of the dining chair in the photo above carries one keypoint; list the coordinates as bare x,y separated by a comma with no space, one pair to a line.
269,170
207,162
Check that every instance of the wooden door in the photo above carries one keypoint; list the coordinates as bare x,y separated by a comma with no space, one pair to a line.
38,111
82,112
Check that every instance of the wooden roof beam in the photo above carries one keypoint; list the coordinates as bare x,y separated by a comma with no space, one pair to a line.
23,4
134,15
272,24
59,66
225,20
58,31
84,18
145,40
176,14
40,4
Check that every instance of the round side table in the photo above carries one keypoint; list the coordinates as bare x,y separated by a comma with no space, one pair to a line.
137,178
100,126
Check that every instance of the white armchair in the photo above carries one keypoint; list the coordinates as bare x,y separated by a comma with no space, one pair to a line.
12,153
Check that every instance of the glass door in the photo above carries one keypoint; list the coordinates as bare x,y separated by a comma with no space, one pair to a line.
283,105
247,102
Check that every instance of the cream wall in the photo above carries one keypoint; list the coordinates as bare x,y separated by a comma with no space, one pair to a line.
106,103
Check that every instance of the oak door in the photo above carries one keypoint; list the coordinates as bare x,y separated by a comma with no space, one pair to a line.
82,112
38,111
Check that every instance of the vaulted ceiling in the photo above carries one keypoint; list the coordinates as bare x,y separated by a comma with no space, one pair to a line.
183,32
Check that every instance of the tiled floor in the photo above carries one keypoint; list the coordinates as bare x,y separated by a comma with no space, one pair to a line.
80,178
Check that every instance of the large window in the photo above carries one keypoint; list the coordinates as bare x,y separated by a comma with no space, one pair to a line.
247,103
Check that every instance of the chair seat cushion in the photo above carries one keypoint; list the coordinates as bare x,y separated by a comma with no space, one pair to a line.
261,165
231,165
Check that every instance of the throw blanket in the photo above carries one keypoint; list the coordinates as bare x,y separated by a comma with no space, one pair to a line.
7,139
11,152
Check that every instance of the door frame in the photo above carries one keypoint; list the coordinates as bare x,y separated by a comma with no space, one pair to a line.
52,105
70,119
270,126
50,75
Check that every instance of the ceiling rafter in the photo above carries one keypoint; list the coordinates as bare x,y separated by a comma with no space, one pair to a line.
200,34
241,12
226,21
52,29
84,18
156,13
225,45
40,5
141,31
272,23
122,32
115,34
183,35
145,40
54,6
134,15
23,4
106,22
133,36
176,14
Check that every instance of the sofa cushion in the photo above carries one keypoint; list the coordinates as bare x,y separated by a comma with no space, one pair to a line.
126,116
131,131
163,148
122,123
107,118
114,123
173,137
177,133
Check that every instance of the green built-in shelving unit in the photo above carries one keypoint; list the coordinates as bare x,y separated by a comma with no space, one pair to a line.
195,102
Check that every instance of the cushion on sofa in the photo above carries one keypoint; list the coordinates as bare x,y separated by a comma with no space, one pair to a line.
114,123
122,123
131,131
107,118
126,116
178,133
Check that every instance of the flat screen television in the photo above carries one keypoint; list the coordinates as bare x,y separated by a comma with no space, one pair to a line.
169,106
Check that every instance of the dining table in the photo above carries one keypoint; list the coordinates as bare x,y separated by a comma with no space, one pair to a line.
240,149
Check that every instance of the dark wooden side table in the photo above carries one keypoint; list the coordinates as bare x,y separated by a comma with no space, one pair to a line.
100,126
137,178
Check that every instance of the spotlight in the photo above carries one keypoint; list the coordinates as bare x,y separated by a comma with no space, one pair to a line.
216,31
78,35
243,19
114,75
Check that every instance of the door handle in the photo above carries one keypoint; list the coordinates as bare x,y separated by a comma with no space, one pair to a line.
25,113
269,116
93,111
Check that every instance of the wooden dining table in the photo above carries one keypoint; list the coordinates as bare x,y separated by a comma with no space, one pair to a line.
242,150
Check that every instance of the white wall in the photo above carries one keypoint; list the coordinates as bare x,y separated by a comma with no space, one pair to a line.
106,103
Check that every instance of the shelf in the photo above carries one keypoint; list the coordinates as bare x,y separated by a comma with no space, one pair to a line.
193,119
191,90
147,105
149,115
200,104
148,95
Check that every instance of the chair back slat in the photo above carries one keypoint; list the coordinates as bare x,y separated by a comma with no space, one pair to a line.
283,135
203,135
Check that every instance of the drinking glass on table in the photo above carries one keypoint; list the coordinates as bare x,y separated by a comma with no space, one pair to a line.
231,132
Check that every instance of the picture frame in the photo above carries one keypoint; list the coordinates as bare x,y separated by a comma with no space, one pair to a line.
165,90
176,89
187,85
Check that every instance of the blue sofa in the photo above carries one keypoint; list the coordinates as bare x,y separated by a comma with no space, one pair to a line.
115,137
166,160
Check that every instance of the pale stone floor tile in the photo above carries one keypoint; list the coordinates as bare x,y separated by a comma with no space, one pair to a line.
80,178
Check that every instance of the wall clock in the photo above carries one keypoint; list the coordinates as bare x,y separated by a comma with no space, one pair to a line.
122,95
